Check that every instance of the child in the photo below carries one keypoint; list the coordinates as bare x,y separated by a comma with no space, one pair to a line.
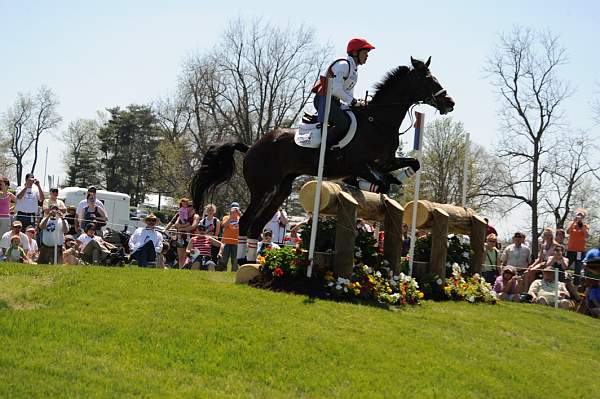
199,250
15,253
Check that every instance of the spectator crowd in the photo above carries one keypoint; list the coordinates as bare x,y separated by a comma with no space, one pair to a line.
57,234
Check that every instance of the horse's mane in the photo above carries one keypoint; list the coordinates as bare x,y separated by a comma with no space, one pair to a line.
390,80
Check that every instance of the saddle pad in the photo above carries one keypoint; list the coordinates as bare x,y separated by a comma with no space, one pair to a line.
308,135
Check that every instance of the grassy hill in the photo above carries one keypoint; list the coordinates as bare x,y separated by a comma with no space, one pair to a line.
93,331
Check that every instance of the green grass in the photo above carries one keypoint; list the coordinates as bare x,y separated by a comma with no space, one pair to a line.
124,332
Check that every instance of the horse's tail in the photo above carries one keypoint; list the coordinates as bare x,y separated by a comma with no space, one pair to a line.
217,167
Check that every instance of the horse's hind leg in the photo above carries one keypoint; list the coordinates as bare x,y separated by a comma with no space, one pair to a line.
258,199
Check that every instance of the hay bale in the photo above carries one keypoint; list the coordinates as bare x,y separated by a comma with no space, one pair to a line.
246,273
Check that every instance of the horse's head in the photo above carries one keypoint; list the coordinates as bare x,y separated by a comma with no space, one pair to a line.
427,89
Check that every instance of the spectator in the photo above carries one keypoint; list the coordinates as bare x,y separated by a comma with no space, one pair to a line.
161,260
71,251
361,224
5,242
53,227
199,250
231,228
492,259
93,248
15,252
546,250
592,296
71,218
91,191
516,254
266,243
578,232
543,290
33,251
92,213
28,200
183,231
558,261
146,243
6,197
212,225
506,285
277,225
53,200
405,240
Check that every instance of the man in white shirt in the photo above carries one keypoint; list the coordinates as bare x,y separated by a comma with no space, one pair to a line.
17,226
277,225
54,227
28,200
83,203
145,242
93,248
516,254
344,73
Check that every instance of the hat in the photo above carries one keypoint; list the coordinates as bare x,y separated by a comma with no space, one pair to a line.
71,208
235,205
92,189
509,269
30,228
54,189
267,230
150,217
17,223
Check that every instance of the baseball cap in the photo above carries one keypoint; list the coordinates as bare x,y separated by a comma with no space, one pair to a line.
17,223
235,205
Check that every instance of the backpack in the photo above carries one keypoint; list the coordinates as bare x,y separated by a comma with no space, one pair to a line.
320,87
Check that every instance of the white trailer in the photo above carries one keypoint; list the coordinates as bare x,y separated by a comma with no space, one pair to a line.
116,205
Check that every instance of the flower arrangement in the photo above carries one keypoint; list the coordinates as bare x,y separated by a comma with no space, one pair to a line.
370,285
286,262
456,287
459,252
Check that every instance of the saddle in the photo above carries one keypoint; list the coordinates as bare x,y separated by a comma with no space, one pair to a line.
308,134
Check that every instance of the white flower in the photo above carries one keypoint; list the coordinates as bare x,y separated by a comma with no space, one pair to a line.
471,299
357,254
466,255
330,284
345,289
439,281
338,287
377,274
385,262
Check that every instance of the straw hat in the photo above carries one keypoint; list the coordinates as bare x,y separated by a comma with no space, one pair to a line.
150,217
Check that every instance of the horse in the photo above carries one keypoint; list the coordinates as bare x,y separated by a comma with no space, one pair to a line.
274,161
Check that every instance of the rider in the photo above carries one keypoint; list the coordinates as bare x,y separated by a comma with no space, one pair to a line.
345,76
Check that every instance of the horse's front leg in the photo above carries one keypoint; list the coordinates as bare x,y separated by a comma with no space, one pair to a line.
372,175
399,163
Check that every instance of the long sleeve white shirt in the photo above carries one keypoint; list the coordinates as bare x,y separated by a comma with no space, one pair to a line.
142,235
345,76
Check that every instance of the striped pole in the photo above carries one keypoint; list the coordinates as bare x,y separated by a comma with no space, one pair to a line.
417,146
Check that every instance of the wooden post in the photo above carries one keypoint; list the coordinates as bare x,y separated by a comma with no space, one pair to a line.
392,242
439,242
345,235
478,230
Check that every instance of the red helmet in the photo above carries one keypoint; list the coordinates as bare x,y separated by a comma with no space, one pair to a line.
357,44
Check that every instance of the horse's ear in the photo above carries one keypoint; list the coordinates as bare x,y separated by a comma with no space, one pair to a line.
413,61
428,62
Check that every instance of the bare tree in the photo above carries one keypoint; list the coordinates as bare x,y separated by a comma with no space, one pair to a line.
567,175
524,70
26,121
82,159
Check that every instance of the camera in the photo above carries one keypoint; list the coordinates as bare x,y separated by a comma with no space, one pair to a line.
580,224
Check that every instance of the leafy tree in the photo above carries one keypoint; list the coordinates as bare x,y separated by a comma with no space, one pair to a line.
129,141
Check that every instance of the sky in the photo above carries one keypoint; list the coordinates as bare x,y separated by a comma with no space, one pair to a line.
96,55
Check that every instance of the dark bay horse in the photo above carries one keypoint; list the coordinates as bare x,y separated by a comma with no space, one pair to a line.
274,161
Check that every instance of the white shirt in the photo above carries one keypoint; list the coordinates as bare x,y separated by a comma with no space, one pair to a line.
277,229
54,233
33,247
344,82
142,235
29,202
85,240
5,241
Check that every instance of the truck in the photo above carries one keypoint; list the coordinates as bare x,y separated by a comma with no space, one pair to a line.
116,205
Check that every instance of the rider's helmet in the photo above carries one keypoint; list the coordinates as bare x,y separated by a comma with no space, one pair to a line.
357,44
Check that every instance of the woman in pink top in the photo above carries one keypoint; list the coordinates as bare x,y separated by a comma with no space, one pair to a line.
506,285
5,199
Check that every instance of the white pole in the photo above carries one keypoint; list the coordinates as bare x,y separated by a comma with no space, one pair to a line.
46,168
317,202
413,229
465,170
56,240
556,289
